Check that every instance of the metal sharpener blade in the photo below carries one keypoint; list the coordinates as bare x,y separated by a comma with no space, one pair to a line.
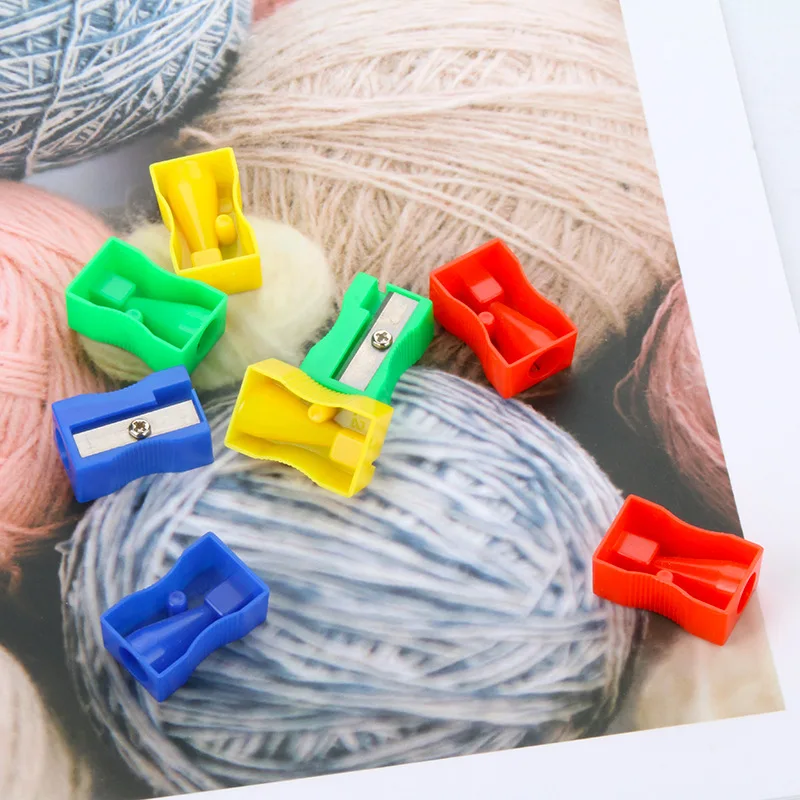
365,361
116,434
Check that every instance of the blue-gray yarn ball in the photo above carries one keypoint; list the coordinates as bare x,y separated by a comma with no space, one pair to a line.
447,609
78,77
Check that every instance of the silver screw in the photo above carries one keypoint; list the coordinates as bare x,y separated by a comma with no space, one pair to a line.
139,429
382,340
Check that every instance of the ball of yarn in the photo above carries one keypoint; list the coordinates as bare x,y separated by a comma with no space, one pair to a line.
44,242
35,762
400,134
447,609
666,391
76,78
695,681
279,320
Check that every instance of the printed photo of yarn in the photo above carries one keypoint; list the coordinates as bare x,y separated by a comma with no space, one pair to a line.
446,609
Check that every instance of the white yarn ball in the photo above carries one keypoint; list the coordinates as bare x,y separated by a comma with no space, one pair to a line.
279,320
35,762
399,134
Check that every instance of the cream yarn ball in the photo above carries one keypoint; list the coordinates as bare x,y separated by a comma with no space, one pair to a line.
399,134
695,681
279,320
35,761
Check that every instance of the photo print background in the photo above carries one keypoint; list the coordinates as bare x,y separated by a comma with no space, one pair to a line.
447,609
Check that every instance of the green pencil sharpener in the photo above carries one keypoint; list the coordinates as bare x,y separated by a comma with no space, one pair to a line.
122,298
376,338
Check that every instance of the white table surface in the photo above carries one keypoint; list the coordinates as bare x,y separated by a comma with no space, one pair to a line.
765,42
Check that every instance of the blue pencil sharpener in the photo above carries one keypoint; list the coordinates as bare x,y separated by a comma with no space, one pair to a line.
107,440
208,599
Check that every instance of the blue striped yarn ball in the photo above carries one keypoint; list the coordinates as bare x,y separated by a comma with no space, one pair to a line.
445,610
77,77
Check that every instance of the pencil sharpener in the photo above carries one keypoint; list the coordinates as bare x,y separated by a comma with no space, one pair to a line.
700,579
200,199
283,415
122,298
485,299
207,600
107,440
375,339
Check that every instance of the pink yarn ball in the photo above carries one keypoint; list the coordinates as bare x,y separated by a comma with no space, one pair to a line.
666,390
263,8
44,241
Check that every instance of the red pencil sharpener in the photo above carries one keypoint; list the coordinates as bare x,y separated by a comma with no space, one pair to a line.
485,300
702,580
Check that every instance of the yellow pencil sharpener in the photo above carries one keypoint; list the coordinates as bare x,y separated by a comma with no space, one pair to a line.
283,415
200,199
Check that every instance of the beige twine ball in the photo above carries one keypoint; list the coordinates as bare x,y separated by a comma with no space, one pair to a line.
35,761
279,320
400,134
696,681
